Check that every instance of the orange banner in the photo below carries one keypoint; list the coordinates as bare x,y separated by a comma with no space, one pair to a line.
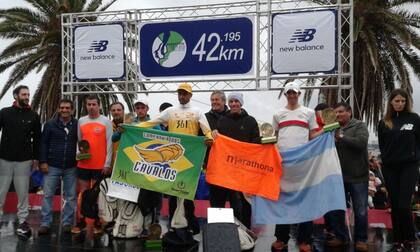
245,167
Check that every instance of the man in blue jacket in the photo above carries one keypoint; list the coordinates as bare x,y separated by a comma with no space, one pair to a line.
58,160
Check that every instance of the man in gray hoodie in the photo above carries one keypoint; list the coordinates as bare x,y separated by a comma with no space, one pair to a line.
352,147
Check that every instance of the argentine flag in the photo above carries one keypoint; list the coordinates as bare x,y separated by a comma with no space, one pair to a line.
311,185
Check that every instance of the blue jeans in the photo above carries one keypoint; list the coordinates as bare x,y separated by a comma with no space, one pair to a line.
69,177
358,192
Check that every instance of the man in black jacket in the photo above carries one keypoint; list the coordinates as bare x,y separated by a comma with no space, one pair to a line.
218,194
236,124
58,160
218,108
21,130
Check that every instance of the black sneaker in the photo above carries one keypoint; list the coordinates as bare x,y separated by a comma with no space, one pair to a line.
397,247
78,228
43,230
23,229
109,226
66,229
410,246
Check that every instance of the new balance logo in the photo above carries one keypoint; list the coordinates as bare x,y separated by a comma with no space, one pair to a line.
407,126
98,46
302,36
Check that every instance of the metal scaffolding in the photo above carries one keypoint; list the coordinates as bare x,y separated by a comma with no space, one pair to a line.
341,81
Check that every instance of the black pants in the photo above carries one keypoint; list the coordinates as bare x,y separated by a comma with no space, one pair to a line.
305,230
400,181
241,207
189,213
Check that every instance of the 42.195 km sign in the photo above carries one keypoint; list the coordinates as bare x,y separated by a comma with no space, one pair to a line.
202,47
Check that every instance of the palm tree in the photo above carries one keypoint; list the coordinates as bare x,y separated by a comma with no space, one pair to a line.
384,40
385,37
36,34
385,43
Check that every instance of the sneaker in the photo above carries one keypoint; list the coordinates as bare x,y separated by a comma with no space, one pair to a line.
410,246
335,242
397,247
43,230
97,229
361,246
66,229
23,229
279,246
78,228
109,227
305,247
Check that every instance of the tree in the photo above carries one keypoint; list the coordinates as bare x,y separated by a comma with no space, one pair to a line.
385,43
384,50
36,34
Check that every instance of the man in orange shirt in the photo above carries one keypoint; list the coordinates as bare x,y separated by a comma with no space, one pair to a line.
96,129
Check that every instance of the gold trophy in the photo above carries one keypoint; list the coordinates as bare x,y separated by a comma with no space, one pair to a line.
128,118
83,150
267,133
329,118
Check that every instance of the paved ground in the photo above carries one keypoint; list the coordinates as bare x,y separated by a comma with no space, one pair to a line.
379,239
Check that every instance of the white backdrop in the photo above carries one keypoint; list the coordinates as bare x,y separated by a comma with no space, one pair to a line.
99,52
304,42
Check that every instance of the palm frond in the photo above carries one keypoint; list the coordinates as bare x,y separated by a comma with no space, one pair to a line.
19,47
107,5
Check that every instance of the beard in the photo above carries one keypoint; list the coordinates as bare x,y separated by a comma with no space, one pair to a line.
118,120
23,102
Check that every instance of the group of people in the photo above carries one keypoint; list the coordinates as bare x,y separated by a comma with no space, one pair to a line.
54,151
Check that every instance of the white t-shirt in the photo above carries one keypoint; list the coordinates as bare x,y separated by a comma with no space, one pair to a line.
293,126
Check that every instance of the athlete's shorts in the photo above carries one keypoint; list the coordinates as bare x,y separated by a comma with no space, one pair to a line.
88,174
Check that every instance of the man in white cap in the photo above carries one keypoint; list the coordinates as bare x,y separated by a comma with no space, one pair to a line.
183,119
294,125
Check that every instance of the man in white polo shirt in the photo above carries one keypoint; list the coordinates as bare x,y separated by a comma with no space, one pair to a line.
294,125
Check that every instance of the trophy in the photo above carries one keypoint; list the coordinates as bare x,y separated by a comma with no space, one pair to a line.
83,150
128,118
328,117
267,133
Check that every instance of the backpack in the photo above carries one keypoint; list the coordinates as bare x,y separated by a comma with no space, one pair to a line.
247,238
108,206
89,205
129,222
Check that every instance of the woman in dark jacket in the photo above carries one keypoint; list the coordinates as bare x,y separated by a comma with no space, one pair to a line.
236,124
399,142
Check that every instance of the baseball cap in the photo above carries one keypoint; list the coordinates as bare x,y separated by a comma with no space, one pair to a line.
142,101
186,87
292,86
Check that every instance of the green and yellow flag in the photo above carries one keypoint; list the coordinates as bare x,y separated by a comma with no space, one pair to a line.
159,161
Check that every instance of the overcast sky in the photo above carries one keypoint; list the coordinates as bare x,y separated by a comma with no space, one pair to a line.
261,104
